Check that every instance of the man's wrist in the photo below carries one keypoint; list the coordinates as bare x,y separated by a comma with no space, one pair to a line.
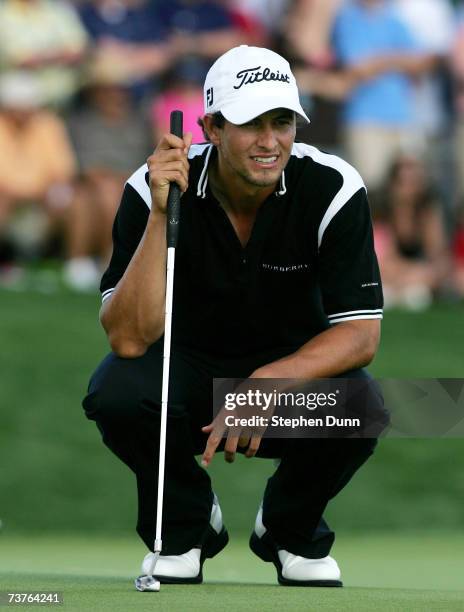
157,215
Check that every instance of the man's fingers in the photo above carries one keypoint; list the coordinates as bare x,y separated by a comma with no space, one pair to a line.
164,179
174,171
169,164
169,141
171,153
230,448
173,164
187,141
216,431
254,446
211,446
236,437
164,156
243,441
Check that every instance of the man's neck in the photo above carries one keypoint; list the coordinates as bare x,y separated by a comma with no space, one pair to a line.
233,193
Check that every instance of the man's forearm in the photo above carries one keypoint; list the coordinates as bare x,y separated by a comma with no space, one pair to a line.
133,317
344,347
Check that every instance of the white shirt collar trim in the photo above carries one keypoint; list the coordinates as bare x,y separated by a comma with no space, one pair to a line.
203,180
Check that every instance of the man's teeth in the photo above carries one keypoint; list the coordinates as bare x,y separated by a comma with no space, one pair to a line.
265,160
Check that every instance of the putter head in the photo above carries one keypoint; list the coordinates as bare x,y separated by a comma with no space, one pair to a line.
147,583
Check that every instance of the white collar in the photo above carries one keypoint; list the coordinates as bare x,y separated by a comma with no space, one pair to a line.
203,180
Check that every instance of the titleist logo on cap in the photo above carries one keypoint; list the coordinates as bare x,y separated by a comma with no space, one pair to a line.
256,75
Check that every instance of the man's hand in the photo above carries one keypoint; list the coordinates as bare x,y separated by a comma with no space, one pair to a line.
237,436
168,164
245,436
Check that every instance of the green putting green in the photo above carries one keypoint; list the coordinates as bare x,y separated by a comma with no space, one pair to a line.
405,572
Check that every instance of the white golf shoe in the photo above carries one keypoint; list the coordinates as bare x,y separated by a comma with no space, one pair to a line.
187,567
175,568
301,569
293,570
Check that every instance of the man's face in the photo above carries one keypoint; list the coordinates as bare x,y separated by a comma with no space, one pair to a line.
257,151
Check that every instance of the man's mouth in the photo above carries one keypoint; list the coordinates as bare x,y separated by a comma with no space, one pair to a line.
268,160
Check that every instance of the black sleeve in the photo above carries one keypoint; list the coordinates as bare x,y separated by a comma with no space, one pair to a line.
349,274
128,229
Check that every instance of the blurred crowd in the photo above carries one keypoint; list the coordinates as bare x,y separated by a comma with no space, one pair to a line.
86,88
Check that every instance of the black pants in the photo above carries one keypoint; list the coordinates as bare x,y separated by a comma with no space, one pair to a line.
124,398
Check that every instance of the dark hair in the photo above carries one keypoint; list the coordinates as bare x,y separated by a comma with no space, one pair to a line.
383,198
218,121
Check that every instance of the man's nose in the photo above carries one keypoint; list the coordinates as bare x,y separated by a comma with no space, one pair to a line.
267,138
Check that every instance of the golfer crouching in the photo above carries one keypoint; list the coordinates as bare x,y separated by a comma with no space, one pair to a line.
275,278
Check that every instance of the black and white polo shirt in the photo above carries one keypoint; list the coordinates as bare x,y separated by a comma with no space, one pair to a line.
309,263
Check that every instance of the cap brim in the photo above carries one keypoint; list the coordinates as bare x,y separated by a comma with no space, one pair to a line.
238,115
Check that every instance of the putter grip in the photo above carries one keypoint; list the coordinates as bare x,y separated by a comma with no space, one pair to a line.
173,208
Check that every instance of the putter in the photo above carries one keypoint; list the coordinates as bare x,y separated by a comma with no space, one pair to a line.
149,582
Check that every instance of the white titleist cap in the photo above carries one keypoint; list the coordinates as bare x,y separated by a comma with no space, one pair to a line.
248,81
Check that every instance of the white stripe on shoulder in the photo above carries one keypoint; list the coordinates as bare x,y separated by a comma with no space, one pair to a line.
198,149
138,182
352,181
359,317
355,312
106,294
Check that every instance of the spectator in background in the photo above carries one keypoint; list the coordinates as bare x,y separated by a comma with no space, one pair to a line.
129,33
183,91
380,56
108,134
410,240
204,28
37,161
265,18
46,38
309,31
431,23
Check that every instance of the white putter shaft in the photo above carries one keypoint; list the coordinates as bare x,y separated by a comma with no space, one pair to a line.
164,411
147,582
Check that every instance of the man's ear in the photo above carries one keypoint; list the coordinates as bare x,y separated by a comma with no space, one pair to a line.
214,132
